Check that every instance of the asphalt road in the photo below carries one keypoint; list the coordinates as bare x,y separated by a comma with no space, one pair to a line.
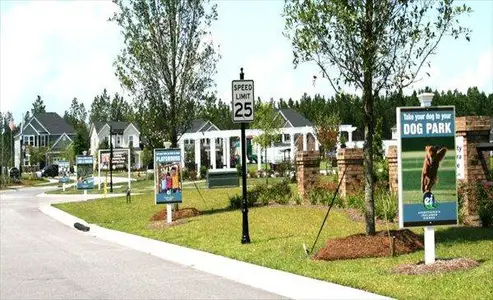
43,259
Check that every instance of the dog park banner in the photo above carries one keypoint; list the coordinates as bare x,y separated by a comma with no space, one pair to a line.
167,176
85,172
63,171
427,166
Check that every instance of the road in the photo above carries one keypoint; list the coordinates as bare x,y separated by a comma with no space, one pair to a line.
43,259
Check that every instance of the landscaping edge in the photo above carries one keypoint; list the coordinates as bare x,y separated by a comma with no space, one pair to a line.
278,282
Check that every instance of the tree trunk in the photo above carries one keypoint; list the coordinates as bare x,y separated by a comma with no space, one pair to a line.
368,62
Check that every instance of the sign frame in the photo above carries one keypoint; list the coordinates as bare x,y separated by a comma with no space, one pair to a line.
83,184
175,193
410,215
242,103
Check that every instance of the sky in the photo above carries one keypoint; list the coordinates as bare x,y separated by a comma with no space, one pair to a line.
65,49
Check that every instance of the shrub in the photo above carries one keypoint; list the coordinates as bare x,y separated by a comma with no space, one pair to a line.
235,201
253,174
381,170
356,200
185,174
297,199
254,195
485,203
386,203
203,171
281,192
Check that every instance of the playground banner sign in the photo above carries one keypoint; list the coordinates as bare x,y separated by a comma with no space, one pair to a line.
63,170
427,166
167,176
85,172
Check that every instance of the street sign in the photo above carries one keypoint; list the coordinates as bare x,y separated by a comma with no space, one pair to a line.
243,100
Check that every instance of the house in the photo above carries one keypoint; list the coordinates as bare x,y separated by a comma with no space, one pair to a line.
43,130
197,126
125,135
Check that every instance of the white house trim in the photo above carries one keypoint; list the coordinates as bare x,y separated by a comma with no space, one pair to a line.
29,124
58,140
34,118
286,119
105,125
130,124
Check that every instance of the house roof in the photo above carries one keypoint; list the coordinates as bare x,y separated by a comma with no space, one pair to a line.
294,118
200,125
53,123
116,126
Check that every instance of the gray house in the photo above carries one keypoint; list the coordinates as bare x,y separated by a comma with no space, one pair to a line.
43,130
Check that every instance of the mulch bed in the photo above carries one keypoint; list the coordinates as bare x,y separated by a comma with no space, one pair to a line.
182,213
440,266
361,245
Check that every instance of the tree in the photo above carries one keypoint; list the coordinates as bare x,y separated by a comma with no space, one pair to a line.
38,106
373,45
327,131
167,62
69,154
269,121
76,115
100,108
120,110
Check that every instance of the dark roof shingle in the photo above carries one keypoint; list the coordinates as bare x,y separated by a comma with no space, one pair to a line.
54,123
295,118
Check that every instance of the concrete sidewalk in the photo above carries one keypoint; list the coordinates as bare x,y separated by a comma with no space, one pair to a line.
282,283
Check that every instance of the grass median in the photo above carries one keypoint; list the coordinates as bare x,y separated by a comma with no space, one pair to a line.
278,232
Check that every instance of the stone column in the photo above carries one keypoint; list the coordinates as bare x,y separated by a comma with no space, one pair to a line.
212,149
393,169
353,181
474,130
307,171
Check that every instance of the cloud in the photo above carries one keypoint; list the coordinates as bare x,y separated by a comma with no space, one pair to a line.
58,50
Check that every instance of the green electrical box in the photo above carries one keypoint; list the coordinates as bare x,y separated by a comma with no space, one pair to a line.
217,178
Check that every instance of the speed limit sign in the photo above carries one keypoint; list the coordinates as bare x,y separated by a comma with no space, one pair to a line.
243,100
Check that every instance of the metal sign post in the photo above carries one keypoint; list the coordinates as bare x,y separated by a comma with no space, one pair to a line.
243,108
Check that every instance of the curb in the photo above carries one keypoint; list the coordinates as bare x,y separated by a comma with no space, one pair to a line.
278,282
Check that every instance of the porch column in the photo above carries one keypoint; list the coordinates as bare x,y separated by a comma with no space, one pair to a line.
225,159
305,142
273,153
228,152
350,136
213,152
291,142
182,151
259,155
197,155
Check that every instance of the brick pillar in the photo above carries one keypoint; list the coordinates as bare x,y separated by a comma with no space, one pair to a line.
307,170
352,159
474,130
393,170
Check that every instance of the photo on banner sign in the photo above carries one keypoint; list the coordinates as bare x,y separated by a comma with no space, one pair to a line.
85,172
63,171
167,176
427,166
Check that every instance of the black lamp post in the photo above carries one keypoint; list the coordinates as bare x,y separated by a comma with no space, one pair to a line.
111,159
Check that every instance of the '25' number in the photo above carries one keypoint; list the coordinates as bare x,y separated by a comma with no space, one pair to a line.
243,109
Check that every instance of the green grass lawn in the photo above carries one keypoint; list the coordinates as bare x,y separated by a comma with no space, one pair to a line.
278,232
412,165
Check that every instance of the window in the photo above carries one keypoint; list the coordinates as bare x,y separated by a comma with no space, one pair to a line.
131,140
118,140
29,140
43,140
287,138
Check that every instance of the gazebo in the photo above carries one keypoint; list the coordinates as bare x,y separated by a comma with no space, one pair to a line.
296,128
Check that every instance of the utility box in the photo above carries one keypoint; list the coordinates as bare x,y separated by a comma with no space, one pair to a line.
218,178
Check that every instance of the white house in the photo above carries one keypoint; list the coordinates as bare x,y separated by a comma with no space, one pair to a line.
125,135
